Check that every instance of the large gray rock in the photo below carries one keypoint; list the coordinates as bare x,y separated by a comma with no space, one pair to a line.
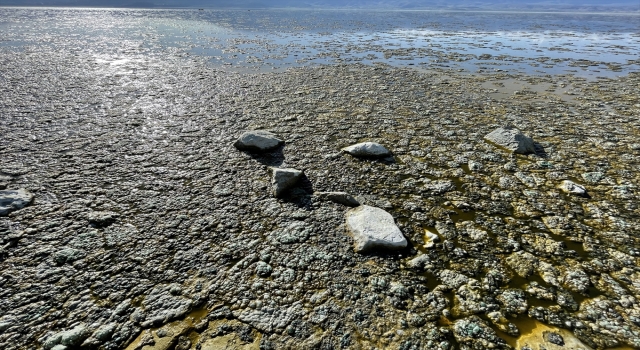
373,229
257,141
11,200
283,179
367,149
571,187
512,139
338,197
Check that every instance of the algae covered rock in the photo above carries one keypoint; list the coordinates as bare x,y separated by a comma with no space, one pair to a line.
474,333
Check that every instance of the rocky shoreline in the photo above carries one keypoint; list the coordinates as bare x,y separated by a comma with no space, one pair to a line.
150,230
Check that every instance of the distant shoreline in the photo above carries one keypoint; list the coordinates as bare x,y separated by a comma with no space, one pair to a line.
622,10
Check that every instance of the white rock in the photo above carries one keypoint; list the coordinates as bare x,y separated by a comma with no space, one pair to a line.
283,178
11,200
257,140
512,139
571,187
431,236
367,149
373,228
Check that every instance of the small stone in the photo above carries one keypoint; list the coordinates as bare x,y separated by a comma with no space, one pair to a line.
474,333
68,255
553,338
474,166
257,141
593,177
571,187
184,343
367,149
512,139
11,200
338,197
431,237
420,263
373,228
101,218
283,179
263,269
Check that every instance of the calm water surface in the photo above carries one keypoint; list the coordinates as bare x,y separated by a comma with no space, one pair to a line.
588,45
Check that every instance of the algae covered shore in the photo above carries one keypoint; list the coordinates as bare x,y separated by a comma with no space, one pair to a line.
148,229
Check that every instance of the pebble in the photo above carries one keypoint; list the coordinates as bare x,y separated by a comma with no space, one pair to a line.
338,197
570,187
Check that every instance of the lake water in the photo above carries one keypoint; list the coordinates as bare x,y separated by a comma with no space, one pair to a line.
588,45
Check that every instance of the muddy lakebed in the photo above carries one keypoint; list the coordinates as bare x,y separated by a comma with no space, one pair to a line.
143,227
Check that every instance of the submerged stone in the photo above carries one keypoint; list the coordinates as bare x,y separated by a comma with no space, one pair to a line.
257,141
367,149
512,139
374,229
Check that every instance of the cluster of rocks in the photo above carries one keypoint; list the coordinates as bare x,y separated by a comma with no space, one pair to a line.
372,228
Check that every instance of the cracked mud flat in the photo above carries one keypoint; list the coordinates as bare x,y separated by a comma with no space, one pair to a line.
149,230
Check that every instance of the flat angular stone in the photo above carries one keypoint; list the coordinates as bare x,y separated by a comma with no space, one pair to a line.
571,187
367,149
512,139
374,229
338,197
283,179
257,141
11,200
